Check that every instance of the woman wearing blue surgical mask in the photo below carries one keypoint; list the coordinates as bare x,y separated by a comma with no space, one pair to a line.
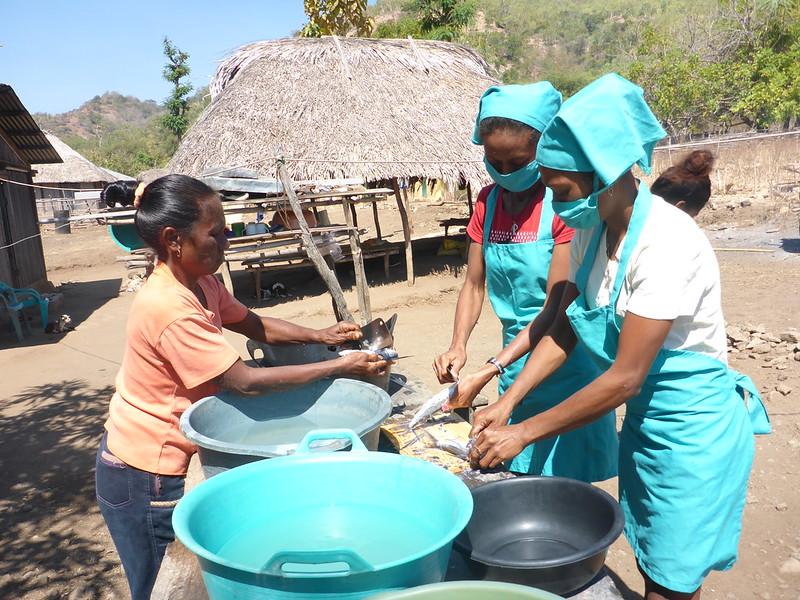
648,310
520,251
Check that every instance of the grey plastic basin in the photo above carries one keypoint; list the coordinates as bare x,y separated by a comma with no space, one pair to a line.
231,430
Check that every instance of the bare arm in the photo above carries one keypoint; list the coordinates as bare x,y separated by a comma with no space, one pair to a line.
639,343
549,354
250,381
468,310
556,283
278,331
528,338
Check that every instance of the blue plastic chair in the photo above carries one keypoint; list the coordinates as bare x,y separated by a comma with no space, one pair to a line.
13,309
18,299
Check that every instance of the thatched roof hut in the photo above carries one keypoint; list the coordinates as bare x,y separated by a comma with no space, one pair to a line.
343,107
75,170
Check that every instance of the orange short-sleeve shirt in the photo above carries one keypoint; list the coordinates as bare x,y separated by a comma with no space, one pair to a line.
174,351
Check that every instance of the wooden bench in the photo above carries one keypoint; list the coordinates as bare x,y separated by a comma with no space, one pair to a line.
297,259
454,222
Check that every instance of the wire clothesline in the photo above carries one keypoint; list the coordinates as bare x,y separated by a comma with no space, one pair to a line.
30,237
46,187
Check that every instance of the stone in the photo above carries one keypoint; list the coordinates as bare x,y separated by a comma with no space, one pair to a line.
784,389
760,328
82,592
736,334
744,203
782,507
783,377
761,348
774,396
791,336
771,338
797,356
791,566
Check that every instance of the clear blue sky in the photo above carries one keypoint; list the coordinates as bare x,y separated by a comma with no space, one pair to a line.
57,54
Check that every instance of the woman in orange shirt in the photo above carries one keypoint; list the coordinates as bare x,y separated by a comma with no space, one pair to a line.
176,354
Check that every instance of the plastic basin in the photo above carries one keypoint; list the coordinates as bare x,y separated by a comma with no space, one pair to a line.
470,590
551,533
231,430
323,524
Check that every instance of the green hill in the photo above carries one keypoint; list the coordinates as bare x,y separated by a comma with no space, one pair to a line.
119,132
100,115
705,65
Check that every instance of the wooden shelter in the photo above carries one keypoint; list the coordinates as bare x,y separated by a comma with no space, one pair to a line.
337,108
60,182
343,107
22,144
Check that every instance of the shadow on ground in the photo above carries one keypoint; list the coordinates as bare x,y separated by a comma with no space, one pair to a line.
50,434
81,299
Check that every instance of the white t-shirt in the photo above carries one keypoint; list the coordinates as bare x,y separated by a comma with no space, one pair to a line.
672,274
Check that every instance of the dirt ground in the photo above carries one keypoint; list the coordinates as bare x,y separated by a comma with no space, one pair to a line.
55,392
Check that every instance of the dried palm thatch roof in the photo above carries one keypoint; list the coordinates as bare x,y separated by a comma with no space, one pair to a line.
75,167
343,107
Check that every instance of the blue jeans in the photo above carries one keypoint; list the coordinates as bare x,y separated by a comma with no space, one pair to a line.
137,507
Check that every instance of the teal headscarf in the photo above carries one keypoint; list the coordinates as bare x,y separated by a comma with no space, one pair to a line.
606,128
534,104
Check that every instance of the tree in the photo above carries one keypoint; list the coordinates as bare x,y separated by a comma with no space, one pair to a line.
175,71
443,19
336,17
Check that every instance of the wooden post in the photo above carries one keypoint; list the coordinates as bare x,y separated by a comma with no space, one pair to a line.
376,219
362,286
311,248
406,232
409,212
227,280
469,199
353,214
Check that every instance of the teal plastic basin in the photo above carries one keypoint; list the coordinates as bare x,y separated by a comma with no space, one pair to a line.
231,430
470,590
323,524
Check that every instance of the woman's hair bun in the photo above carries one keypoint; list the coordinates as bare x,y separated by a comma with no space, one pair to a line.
118,193
698,163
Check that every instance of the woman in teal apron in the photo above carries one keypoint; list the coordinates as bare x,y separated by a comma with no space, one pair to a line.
686,445
519,272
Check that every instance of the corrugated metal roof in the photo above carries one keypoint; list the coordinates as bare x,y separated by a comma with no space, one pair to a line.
18,125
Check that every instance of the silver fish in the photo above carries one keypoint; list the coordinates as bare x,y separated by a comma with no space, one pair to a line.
434,404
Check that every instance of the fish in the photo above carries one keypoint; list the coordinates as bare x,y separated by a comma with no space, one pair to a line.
454,447
434,404
385,353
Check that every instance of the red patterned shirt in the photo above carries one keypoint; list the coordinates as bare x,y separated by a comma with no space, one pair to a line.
519,229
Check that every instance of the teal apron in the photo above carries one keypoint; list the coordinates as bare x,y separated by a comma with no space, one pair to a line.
686,445
516,277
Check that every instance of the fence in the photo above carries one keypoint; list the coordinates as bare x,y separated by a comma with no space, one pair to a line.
746,163
80,203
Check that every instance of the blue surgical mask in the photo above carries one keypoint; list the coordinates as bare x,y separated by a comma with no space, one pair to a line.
518,181
582,213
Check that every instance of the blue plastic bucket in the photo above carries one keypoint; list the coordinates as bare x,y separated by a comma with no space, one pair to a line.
323,524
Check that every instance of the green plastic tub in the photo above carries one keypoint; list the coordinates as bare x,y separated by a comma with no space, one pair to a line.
470,590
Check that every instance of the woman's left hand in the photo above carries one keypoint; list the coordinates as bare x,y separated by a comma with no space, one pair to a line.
343,331
498,444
